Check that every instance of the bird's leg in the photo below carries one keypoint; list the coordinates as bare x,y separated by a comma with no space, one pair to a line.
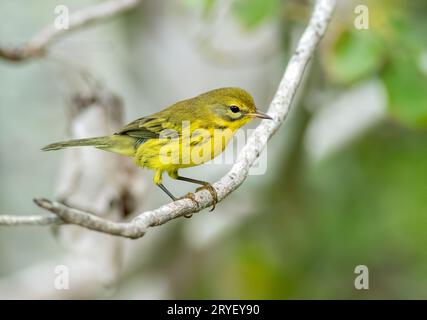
161,186
205,185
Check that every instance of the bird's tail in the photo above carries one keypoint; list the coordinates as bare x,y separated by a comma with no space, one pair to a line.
95,142
124,145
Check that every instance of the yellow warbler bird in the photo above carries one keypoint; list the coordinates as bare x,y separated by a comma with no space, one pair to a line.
186,134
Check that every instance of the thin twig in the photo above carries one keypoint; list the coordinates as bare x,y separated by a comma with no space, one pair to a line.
279,109
6,220
39,44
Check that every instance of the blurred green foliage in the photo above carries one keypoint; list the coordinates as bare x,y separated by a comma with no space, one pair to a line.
252,13
205,5
391,49
354,56
363,205
249,13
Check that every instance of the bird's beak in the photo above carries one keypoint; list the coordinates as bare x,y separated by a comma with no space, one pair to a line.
260,115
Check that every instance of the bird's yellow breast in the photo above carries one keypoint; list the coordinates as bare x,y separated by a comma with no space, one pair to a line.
190,149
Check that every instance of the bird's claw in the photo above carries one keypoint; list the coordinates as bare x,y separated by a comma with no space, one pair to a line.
190,196
213,193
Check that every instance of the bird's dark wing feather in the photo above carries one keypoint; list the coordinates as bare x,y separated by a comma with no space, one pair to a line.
149,128
136,129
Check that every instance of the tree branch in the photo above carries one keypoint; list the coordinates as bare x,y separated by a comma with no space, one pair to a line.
9,220
279,109
38,45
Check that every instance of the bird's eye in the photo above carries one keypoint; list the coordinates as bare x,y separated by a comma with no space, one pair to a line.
234,109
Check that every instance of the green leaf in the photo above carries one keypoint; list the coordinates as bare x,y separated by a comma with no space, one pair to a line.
407,91
253,12
355,54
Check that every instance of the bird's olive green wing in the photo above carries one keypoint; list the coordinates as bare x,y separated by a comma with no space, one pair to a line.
150,128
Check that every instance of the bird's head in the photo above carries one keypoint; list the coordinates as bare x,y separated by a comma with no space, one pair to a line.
231,107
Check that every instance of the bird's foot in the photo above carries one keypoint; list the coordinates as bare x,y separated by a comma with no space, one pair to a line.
190,196
213,193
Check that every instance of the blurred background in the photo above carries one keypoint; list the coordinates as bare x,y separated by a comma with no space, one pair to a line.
346,179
